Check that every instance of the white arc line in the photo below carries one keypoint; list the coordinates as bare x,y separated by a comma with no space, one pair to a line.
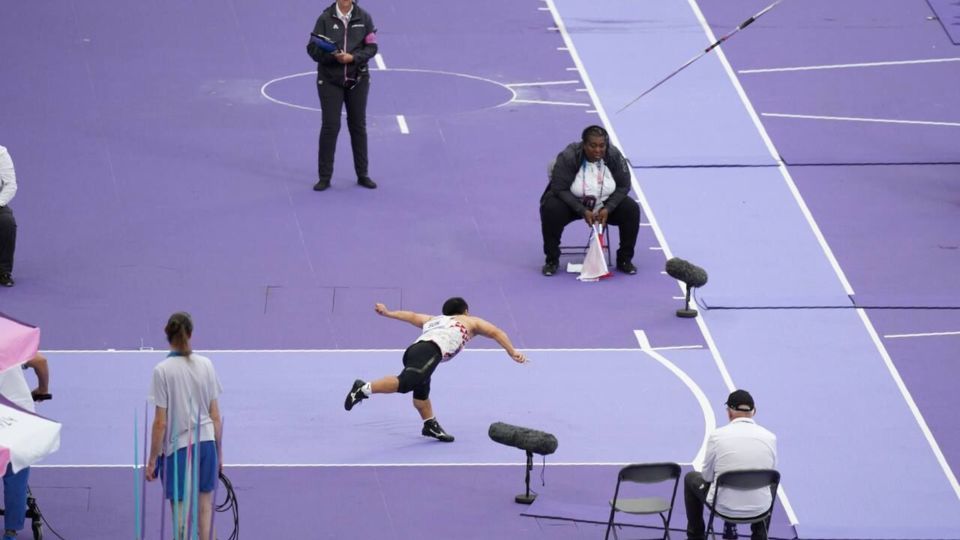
544,83
709,419
403,124
378,60
845,66
859,119
539,102
928,334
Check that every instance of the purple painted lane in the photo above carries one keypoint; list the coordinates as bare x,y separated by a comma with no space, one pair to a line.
818,32
686,122
291,416
873,449
403,503
747,232
826,33
894,228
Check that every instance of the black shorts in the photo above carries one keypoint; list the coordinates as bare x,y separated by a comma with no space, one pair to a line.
419,362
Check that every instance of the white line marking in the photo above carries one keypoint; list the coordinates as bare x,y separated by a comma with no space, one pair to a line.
544,83
590,111
562,49
858,119
656,248
844,66
403,124
288,351
539,102
378,60
326,465
709,419
804,209
788,508
711,38
552,28
951,478
263,89
573,69
928,334
543,9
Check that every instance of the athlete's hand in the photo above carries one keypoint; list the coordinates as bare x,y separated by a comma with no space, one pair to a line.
519,357
344,58
380,309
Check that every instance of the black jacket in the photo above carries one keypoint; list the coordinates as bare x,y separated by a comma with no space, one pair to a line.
565,170
353,40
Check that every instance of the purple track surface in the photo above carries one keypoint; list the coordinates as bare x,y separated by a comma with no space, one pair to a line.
158,172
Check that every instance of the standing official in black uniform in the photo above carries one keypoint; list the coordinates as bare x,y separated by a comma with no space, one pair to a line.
342,43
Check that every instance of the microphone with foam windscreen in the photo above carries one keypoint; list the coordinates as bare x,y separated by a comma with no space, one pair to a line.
530,441
692,276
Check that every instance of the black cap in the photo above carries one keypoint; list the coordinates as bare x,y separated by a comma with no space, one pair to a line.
740,400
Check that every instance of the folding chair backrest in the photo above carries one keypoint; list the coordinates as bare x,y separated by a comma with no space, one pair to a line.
650,473
751,479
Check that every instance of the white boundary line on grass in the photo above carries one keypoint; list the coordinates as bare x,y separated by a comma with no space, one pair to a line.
908,398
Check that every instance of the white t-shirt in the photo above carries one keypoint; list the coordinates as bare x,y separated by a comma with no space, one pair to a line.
594,180
8,178
448,333
13,386
737,446
184,386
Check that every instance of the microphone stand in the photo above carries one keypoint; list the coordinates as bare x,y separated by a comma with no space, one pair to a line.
527,498
687,313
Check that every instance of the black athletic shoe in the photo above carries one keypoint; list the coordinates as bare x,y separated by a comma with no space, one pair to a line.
366,182
550,268
626,267
321,185
6,279
730,531
355,396
431,428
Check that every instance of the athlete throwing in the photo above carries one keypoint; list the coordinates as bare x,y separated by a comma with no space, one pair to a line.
443,337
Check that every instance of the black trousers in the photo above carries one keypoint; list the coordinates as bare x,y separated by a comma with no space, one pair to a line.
332,101
695,498
8,239
556,214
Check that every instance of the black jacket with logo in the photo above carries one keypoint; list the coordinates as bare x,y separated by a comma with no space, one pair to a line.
568,163
352,39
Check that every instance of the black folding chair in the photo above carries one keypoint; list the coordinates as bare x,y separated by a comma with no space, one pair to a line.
745,481
645,473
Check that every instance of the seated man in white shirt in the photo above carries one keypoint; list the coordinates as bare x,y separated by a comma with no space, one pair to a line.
739,445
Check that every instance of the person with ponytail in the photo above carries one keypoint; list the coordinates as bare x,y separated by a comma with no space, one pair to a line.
184,386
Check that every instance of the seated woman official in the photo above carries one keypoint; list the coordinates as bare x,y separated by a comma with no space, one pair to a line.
590,181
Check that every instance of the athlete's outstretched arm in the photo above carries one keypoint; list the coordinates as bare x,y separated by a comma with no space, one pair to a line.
416,319
487,329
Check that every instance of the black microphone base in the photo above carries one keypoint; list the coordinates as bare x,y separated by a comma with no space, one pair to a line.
525,498
686,313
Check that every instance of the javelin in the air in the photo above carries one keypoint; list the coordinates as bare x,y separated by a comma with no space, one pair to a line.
742,25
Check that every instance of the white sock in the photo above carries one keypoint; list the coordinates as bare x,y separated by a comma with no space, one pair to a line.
367,389
431,419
